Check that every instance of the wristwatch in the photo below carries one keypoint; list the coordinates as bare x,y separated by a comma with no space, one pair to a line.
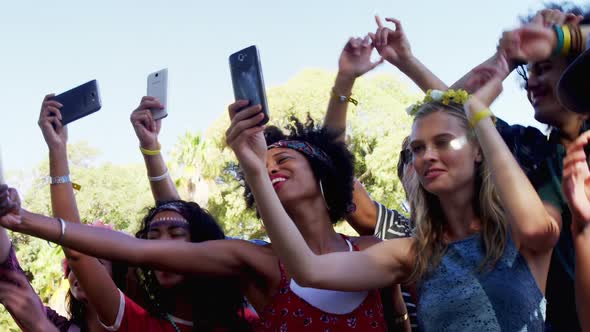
59,179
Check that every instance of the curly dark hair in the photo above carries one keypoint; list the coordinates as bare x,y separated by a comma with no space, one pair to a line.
337,177
217,302
77,309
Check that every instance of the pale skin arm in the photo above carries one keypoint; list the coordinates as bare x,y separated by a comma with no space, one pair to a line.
533,228
101,291
393,46
147,130
576,188
381,265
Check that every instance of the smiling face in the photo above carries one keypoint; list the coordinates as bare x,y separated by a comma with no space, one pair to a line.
542,82
75,288
291,175
169,225
443,158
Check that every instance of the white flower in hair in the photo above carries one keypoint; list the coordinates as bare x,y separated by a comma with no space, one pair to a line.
436,95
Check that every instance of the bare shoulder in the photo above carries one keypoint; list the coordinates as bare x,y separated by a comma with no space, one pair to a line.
247,248
365,242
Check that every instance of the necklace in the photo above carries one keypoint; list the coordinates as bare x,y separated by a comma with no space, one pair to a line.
172,322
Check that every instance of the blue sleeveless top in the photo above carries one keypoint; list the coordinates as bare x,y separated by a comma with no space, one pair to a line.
456,296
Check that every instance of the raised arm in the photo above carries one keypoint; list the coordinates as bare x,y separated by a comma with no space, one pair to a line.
393,45
147,130
532,227
576,188
209,258
381,265
98,285
354,61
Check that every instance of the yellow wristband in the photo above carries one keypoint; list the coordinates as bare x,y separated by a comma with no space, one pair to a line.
150,152
567,40
480,115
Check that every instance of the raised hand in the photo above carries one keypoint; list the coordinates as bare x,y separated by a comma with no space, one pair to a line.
550,17
355,59
484,96
531,42
245,137
575,182
20,300
10,207
54,133
483,73
392,45
146,128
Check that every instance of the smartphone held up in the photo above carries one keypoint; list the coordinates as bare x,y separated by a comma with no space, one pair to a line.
247,80
79,102
157,87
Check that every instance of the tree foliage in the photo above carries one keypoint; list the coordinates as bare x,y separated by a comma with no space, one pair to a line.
376,128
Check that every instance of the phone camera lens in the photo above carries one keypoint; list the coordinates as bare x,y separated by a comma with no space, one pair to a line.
241,56
157,74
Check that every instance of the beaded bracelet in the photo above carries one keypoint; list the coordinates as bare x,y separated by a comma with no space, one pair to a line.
559,32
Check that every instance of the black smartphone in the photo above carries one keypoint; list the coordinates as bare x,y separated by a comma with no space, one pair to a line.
246,76
79,102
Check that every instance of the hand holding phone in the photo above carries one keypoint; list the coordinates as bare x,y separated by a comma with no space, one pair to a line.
247,80
157,86
79,102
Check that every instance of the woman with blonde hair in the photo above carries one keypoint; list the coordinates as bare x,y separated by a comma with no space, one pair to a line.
483,241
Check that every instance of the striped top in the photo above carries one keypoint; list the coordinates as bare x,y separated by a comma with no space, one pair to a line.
393,225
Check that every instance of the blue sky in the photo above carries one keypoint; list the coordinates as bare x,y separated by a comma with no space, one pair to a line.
52,46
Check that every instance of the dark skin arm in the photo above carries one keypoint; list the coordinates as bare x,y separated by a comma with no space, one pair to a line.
147,130
220,258
101,291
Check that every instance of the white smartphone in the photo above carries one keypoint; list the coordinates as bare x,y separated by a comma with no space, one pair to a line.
157,86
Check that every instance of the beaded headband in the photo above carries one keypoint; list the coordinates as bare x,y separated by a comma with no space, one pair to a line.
168,219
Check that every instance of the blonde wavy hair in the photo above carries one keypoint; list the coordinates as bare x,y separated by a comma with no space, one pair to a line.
428,216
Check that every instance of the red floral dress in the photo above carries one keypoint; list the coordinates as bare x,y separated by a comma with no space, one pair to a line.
289,312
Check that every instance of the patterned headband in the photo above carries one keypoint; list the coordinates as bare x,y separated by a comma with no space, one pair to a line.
307,149
168,219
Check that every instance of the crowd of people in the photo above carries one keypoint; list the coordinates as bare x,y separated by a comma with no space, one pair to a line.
497,237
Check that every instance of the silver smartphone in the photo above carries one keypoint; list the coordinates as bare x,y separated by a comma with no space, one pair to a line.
157,86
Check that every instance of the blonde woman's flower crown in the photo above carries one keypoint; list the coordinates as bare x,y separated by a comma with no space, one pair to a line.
456,96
